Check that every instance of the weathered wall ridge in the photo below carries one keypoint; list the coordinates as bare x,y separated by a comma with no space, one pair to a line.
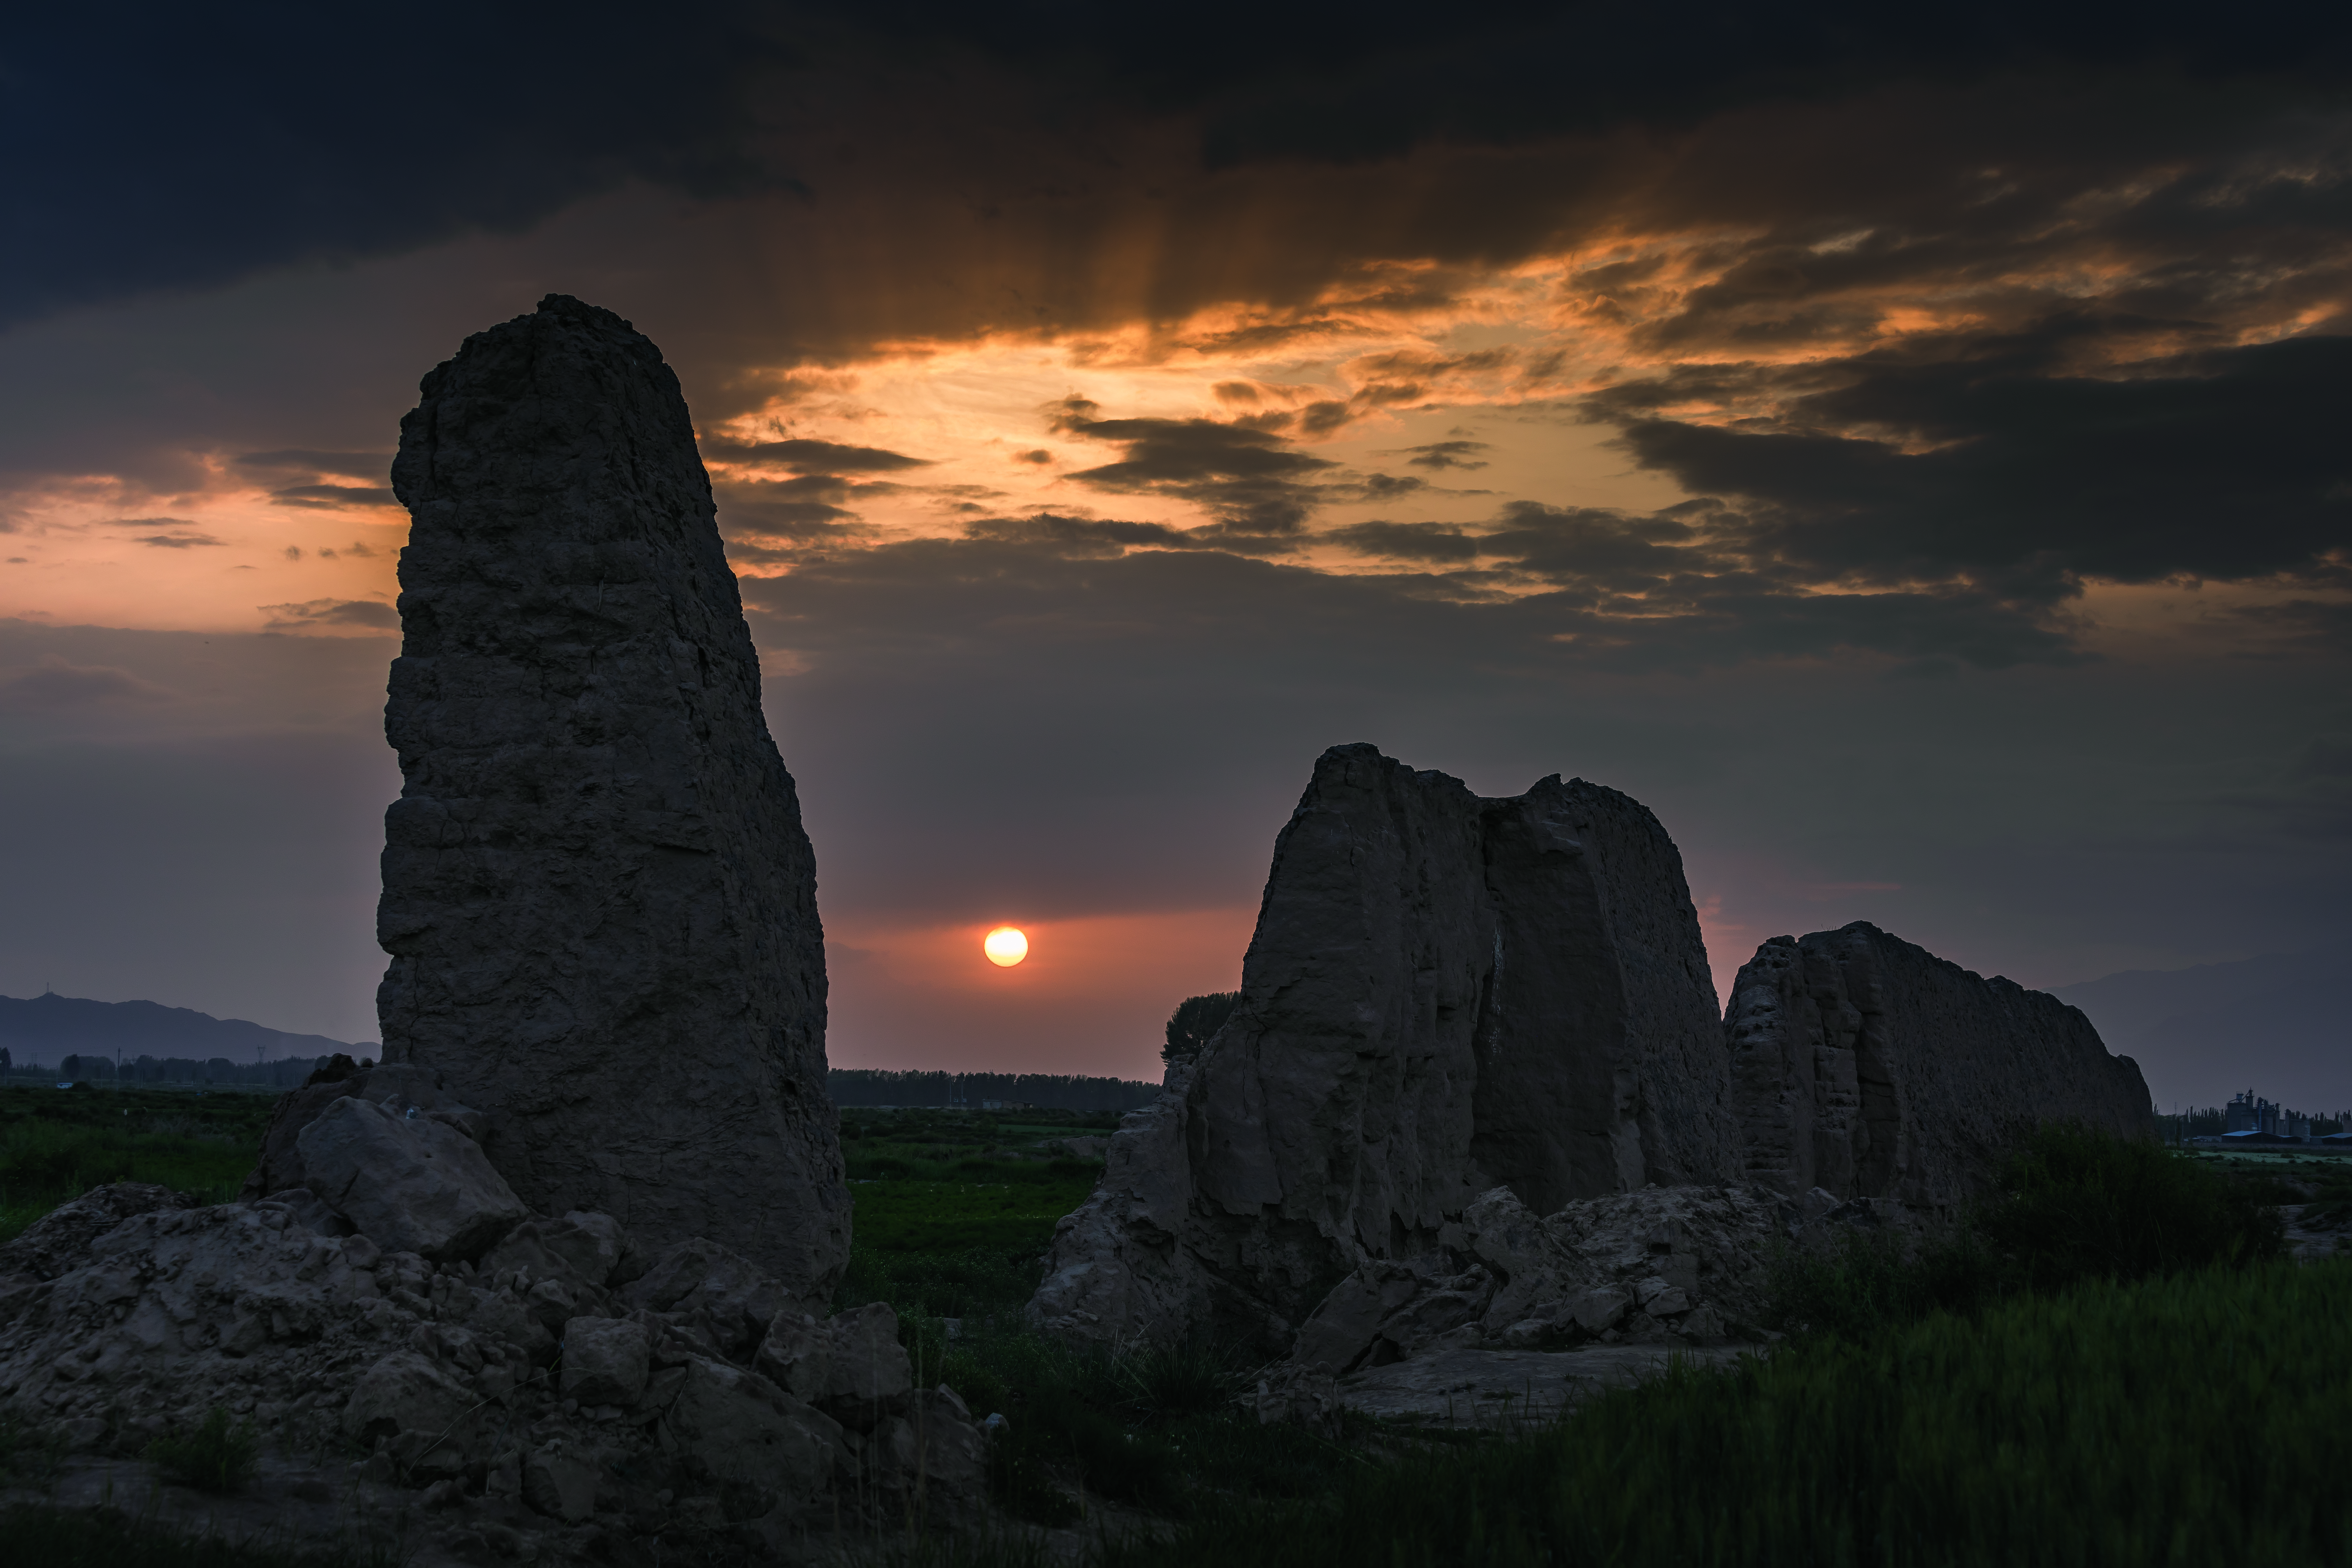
1867,1066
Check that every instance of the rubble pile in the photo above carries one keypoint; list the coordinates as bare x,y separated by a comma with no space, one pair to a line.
531,1370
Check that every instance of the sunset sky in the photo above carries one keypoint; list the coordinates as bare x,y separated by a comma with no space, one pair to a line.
1913,457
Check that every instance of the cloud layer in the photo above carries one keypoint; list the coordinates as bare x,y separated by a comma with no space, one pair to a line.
1904,451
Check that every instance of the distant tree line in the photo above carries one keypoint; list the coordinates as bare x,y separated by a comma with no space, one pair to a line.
285,1072
1054,1092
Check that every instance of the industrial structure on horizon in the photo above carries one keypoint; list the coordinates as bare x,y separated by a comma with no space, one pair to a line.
2249,1119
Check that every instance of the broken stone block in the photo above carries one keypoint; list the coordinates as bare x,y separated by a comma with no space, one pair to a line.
559,1484
585,1250
606,1360
727,1296
410,1183
852,1365
735,1425
61,1239
405,1395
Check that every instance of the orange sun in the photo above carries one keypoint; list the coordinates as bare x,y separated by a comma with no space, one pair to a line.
1006,946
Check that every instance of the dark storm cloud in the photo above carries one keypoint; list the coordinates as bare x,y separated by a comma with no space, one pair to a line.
333,497
808,456
279,132
2229,464
1408,541
1517,73
1446,455
319,615
1685,588
1247,477
171,533
776,522
1621,598
2319,626
1074,537
1077,537
272,132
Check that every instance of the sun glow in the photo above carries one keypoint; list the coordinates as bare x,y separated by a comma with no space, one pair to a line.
1006,946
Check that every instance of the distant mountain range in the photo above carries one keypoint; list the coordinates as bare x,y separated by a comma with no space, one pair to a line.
2277,1025
49,1027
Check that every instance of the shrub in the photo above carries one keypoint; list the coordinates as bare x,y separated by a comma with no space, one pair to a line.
217,1456
2078,1203
1164,1381
1025,1489
2331,1204
2073,1203
1859,1282
1195,1019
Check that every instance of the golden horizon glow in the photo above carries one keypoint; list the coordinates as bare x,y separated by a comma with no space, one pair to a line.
1006,946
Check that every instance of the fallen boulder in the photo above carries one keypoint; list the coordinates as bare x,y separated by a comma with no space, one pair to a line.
606,1360
410,1183
726,1298
851,1362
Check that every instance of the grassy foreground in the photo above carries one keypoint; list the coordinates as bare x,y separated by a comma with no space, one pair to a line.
2186,1420
2104,1364
81,1538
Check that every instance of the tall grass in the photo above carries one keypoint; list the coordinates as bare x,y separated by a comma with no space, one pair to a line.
57,1537
2186,1419
57,1144
1158,1429
2073,1203
2077,1203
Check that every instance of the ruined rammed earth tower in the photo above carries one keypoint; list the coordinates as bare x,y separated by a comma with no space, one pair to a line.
599,900
1445,993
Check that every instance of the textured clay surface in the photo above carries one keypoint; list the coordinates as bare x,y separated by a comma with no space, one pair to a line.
1870,1067
599,900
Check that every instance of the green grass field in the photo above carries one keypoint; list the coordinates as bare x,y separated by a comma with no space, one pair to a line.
955,1209
55,1144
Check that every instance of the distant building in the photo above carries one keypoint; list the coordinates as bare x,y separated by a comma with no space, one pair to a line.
2249,1116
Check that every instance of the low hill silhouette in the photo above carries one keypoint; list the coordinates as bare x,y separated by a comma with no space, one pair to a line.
2274,1024
49,1028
